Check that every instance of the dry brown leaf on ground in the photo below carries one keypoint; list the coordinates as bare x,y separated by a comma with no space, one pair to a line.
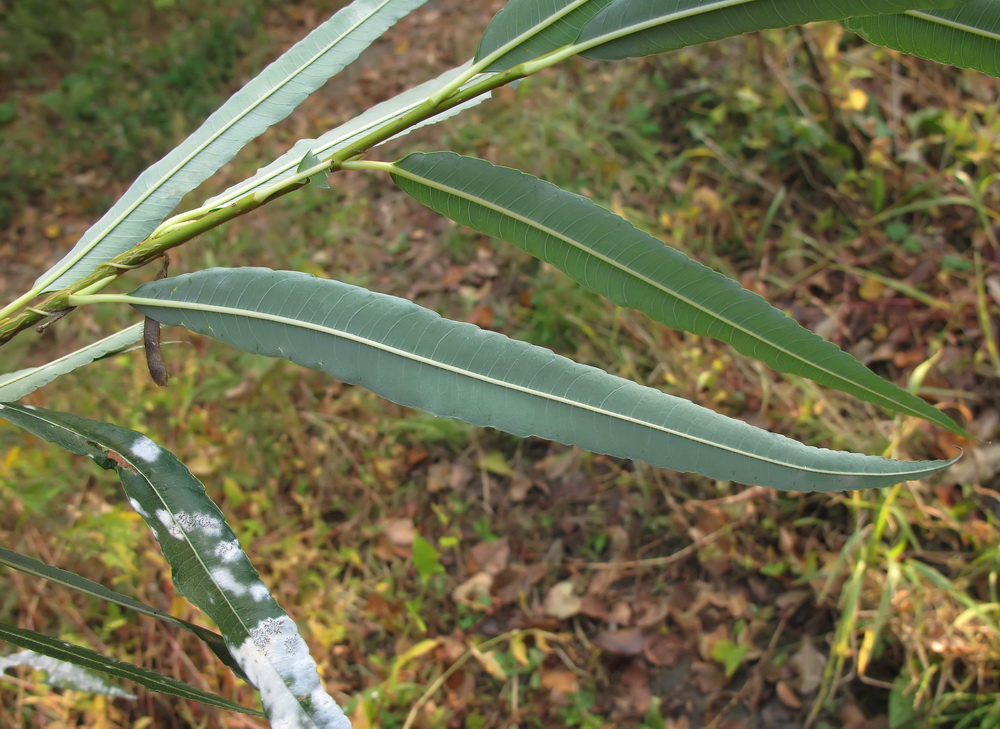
399,532
634,695
664,650
474,592
560,679
809,663
490,557
627,642
562,602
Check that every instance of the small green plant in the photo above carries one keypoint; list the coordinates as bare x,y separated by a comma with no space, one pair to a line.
412,356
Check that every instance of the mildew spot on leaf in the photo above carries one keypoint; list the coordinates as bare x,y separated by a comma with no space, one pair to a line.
228,551
138,508
277,661
168,521
210,525
63,674
146,450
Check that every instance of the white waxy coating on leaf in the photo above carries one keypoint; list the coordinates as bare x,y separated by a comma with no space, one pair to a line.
138,508
61,673
277,661
227,581
168,521
228,551
146,450
210,525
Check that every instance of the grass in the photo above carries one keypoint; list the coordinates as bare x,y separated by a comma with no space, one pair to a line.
777,172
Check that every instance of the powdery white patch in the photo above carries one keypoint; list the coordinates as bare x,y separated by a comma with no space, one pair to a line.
277,661
210,525
61,673
228,551
138,508
146,450
168,521
227,581
259,592
30,407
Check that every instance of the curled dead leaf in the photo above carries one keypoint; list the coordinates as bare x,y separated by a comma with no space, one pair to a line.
787,696
562,602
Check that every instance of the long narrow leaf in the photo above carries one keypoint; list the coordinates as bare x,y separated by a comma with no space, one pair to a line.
967,36
348,133
209,567
412,356
60,650
602,251
267,99
630,28
30,566
15,385
63,675
527,29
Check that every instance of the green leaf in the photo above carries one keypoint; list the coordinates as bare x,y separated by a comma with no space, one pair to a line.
267,99
85,658
607,254
209,567
412,356
31,566
527,29
967,36
310,160
63,675
630,28
15,385
348,133
730,655
425,558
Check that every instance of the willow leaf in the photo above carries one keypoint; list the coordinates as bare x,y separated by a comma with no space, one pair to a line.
967,36
630,28
607,254
15,385
209,567
527,29
64,675
348,133
30,566
267,99
412,356
86,658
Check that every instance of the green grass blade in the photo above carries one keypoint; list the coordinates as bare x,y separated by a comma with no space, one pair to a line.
527,29
631,28
412,356
85,658
967,36
15,385
209,567
30,566
348,133
607,254
267,99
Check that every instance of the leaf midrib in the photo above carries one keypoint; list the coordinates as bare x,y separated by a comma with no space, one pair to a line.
582,247
288,321
938,20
